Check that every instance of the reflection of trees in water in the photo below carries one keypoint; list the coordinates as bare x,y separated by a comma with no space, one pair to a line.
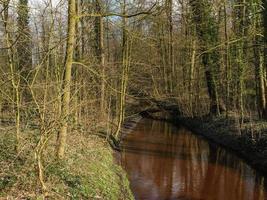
164,162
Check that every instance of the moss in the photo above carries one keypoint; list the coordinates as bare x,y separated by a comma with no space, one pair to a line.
7,181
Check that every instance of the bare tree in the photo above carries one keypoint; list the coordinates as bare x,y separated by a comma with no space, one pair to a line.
62,136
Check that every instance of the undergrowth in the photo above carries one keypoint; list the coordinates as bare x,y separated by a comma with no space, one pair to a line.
87,172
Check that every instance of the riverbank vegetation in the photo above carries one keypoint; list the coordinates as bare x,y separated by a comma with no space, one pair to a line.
87,172
71,69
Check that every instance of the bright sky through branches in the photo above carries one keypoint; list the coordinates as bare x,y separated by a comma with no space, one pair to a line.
54,2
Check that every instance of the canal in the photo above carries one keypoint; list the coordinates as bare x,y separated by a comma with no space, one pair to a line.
166,162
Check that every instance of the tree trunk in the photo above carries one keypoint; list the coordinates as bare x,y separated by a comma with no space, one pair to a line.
240,53
265,52
62,137
171,66
227,60
15,83
191,77
258,62
126,48
208,36
24,50
99,33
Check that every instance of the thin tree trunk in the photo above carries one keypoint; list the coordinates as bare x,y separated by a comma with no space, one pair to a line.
227,61
192,71
240,32
259,70
265,52
99,33
259,76
170,46
62,137
163,58
15,84
126,48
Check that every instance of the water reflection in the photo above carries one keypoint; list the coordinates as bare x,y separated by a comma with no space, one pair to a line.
164,162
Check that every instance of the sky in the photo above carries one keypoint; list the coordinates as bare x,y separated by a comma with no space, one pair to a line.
36,2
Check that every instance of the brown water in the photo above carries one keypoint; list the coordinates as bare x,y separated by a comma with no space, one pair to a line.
164,162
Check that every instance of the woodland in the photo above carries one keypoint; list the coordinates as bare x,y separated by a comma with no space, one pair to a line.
73,71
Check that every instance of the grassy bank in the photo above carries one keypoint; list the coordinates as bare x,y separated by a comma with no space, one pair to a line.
88,172
248,140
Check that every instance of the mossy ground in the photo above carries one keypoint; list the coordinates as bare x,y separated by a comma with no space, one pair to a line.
88,171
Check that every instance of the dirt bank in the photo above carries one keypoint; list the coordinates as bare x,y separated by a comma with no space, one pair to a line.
248,142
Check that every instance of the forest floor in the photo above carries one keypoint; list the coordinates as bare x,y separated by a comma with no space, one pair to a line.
249,140
88,171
